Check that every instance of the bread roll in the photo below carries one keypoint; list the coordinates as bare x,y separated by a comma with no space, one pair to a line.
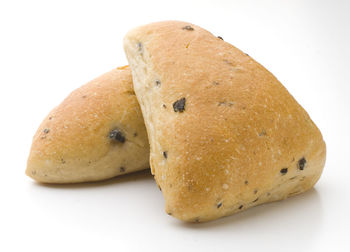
96,133
225,134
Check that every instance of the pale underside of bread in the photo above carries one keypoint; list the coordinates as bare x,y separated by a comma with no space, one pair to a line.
74,142
225,135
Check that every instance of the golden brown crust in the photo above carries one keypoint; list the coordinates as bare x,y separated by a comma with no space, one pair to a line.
72,144
225,134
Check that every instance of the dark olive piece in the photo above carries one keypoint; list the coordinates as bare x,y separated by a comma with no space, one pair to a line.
165,154
179,105
188,28
219,205
117,135
157,83
301,163
284,171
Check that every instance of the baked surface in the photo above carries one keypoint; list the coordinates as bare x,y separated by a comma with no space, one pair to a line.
96,133
225,134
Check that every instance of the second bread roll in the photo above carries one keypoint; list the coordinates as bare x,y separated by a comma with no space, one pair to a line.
96,133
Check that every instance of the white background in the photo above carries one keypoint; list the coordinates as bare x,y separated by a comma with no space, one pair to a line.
49,48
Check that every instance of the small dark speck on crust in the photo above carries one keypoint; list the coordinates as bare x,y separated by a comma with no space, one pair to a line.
165,154
117,135
225,103
164,106
135,134
262,133
219,37
268,194
255,191
139,46
228,62
197,220
240,207
158,83
293,178
33,172
188,28
122,169
219,205
130,92
246,182
284,171
302,163
179,105
169,213
246,54
63,161
255,200
50,117
46,131
84,96
160,189
215,83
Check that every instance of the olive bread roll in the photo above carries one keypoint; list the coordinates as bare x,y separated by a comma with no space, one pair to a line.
225,134
96,133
